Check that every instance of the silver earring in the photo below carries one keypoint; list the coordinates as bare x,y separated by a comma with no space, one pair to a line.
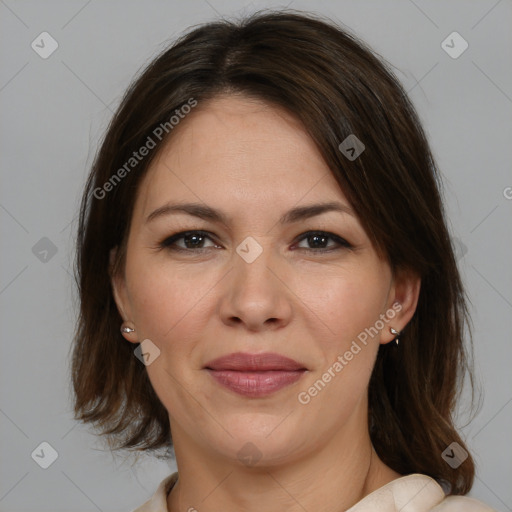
126,329
396,333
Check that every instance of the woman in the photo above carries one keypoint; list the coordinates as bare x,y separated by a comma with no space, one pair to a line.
263,225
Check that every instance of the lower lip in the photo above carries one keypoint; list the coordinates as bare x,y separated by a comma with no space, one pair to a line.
256,384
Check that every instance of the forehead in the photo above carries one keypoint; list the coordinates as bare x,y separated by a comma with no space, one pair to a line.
238,151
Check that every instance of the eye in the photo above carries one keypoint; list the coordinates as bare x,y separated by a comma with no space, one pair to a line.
319,241
192,240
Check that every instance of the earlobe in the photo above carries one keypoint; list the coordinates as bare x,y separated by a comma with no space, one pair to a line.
128,332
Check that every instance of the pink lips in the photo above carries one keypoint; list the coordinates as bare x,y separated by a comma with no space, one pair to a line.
255,375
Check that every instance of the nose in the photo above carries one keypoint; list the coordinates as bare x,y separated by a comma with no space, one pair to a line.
255,295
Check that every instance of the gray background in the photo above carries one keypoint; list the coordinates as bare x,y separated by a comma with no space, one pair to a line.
53,112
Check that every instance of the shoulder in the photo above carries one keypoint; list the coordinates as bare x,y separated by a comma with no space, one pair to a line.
427,495
461,504
419,493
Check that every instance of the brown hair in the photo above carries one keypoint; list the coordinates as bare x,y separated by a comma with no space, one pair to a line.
336,86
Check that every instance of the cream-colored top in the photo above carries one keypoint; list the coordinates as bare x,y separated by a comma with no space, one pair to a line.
411,493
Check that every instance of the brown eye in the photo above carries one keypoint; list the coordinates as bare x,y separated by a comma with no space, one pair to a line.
192,240
318,241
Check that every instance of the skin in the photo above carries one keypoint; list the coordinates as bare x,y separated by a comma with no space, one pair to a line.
255,162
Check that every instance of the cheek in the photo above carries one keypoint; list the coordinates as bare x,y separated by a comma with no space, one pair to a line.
168,302
345,306
345,301
171,308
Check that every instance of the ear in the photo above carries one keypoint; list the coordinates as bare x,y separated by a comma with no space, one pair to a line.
403,299
118,283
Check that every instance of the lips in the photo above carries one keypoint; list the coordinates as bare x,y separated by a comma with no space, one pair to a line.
255,375
243,362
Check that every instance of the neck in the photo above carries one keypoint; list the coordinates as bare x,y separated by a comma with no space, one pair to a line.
333,477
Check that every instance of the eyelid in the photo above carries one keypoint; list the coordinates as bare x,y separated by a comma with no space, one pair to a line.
341,242
167,242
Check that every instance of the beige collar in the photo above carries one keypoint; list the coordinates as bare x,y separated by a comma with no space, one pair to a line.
411,493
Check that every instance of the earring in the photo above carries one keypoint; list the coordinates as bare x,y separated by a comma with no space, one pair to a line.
396,333
126,329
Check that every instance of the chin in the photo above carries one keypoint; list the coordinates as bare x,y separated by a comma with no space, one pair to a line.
267,443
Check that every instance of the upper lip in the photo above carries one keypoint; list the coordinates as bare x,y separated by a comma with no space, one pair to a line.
241,361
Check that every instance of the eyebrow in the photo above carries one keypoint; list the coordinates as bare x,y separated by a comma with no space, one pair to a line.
208,213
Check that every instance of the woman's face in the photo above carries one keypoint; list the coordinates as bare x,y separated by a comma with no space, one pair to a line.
257,282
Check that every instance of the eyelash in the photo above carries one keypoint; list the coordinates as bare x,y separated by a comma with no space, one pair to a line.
169,241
